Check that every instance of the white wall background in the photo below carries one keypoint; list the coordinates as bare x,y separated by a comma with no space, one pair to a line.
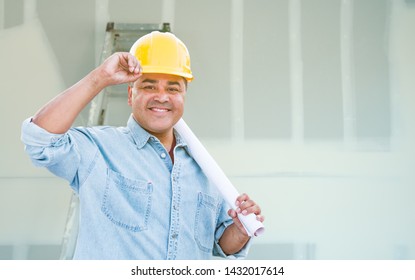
307,106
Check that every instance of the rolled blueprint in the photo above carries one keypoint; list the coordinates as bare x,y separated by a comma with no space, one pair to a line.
215,174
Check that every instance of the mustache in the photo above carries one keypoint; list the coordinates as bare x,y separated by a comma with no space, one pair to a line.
164,105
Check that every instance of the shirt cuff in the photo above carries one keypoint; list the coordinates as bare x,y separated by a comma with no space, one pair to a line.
217,250
34,135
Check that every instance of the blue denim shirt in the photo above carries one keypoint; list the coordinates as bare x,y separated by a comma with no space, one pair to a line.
134,203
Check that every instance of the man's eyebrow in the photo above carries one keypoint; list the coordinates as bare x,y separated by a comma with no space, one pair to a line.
171,83
149,81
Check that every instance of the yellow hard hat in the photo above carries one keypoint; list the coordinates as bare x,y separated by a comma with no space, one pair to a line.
162,52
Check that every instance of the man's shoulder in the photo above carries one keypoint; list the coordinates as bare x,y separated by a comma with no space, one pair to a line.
102,129
101,132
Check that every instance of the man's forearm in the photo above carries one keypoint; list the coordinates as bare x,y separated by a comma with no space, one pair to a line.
58,115
233,240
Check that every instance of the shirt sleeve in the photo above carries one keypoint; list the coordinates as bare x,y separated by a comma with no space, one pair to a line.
224,221
59,153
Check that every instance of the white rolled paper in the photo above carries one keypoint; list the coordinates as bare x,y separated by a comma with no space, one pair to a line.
215,174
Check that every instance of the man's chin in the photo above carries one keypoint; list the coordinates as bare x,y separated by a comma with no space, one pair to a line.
160,130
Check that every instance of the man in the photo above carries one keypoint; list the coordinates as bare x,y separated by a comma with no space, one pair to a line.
142,196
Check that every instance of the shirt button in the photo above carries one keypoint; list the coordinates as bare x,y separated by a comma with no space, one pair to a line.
174,235
163,155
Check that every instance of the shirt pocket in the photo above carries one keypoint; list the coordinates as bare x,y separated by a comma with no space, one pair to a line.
127,202
205,221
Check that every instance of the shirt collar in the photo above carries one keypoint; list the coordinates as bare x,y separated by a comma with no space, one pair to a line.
141,136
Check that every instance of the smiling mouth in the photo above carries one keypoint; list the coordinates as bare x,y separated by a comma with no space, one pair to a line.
161,110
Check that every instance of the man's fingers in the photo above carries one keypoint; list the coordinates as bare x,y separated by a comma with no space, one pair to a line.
133,64
129,63
240,199
248,207
260,218
232,213
253,209
138,69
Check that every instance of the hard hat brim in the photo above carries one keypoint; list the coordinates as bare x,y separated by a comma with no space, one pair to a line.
147,69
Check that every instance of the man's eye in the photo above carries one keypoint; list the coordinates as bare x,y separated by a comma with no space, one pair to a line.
173,90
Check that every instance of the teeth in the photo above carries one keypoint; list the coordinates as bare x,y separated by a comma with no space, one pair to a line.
159,109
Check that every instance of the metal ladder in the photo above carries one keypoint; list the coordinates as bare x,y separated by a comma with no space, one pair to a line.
109,107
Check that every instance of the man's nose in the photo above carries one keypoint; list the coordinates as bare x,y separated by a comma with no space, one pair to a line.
162,96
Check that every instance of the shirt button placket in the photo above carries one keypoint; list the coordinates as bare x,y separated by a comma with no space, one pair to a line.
175,220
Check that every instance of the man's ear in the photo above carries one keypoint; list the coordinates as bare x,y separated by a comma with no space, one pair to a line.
130,95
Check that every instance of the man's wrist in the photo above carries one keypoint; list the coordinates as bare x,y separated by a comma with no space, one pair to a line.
241,236
96,80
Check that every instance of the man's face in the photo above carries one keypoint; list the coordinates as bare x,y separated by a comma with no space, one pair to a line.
157,102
